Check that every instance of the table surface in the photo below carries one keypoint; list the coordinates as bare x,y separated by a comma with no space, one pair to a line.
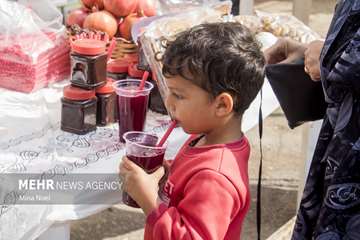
31,142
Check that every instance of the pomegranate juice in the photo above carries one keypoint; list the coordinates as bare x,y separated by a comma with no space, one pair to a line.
132,113
149,164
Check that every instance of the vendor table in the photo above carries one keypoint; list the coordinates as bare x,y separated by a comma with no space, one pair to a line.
32,142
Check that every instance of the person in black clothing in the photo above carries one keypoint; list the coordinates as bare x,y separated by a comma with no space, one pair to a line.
330,206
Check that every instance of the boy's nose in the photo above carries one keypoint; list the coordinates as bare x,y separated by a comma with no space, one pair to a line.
169,106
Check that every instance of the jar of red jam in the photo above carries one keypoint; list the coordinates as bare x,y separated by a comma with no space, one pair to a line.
131,57
117,69
88,63
134,72
107,109
78,112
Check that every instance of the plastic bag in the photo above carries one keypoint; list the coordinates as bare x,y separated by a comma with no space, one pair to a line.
171,6
287,26
162,30
34,50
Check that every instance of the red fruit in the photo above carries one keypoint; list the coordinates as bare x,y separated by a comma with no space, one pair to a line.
76,16
102,21
146,7
99,4
120,8
126,25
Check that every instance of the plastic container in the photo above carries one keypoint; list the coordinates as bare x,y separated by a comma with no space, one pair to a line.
88,63
107,109
117,69
133,105
78,112
142,150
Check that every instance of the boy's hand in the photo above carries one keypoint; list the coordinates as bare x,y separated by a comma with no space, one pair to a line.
142,187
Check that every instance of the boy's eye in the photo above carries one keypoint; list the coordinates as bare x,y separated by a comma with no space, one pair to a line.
177,96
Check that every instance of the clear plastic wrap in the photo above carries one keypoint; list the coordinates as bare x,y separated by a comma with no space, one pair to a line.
34,50
279,25
171,6
162,30
287,26
252,22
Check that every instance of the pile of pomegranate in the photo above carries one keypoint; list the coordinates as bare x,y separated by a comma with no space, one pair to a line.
115,17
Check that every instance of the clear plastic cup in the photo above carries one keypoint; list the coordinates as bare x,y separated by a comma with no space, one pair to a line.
141,149
132,105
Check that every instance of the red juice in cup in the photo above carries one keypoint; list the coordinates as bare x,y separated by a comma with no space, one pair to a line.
132,105
141,149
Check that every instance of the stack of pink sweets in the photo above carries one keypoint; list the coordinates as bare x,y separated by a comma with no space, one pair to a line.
26,68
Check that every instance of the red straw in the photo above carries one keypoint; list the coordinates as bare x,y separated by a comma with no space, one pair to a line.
143,80
111,48
167,133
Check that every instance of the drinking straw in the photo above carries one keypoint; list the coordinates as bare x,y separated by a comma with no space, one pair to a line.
143,79
167,133
111,48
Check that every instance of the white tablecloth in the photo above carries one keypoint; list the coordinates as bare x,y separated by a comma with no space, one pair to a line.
31,142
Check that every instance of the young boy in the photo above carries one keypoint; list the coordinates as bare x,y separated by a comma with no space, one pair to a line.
213,71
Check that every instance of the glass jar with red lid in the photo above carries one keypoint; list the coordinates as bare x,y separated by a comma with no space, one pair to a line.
107,109
78,112
117,69
134,72
88,63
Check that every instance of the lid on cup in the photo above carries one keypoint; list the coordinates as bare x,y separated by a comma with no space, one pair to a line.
130,87
107,88
88,46
133,71
118,66
75,93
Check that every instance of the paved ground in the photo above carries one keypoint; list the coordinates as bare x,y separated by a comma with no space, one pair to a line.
282,164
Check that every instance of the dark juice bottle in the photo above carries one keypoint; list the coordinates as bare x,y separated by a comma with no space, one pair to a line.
88,63
117,69
107,109
78,111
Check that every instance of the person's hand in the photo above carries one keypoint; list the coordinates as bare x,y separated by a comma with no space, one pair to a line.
312,59
285,51
141,186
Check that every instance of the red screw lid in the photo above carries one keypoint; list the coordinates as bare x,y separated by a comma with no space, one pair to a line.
131,57
118,66
133,71
88,46
107,88
75,93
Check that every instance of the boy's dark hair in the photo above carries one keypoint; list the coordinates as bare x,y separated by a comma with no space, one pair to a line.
218,57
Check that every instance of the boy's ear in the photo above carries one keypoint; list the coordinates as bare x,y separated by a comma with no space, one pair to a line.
224,104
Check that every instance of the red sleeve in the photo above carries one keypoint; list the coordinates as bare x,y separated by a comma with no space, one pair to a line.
209,204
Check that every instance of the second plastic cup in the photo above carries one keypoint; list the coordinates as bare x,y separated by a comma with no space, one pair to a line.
141,149
132,104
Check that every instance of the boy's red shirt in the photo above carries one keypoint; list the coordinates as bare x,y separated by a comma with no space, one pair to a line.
208,192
